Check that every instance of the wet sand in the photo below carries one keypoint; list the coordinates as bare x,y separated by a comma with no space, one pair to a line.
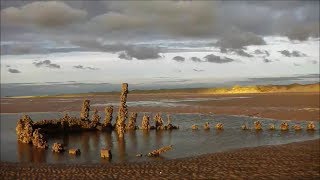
300,160
282,106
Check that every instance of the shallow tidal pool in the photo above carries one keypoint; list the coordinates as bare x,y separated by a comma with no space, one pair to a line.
186,142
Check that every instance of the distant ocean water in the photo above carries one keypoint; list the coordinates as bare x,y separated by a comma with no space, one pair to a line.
54,88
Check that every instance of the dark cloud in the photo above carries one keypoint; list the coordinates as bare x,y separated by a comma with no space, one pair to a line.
44,14
198,70
83,67
236,24
178,58
129,51
124,55
10,70
140,53
217,59
238,40
258,51
195,59
266,60
94,45
223,50
241,52
46,63
292,54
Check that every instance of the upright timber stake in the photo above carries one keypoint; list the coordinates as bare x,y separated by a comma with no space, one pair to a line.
123,111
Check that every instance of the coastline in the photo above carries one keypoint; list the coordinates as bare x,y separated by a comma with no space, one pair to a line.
293,160
280,106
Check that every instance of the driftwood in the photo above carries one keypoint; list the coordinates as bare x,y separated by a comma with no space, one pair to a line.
157,152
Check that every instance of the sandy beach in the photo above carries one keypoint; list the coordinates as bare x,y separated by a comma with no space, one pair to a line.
300,160
281,106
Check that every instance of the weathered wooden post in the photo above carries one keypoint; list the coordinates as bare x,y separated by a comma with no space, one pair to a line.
84,114
108,119
123,111
132,121
145,124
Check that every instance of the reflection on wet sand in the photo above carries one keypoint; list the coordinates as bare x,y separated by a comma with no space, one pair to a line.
121,148
26,153
185,141
133,140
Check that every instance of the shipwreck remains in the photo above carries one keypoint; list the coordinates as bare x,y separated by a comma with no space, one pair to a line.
257,125
132,121
57,147
74,151
84,114
145,124
219,126
284,126
272,126
311,126
244,126
105,153
158,121
123,111
194,127
206,126
297,127
108,118
38,139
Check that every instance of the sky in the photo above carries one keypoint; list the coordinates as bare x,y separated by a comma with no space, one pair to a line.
150,43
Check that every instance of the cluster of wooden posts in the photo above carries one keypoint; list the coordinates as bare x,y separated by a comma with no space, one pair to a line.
257,125
35,132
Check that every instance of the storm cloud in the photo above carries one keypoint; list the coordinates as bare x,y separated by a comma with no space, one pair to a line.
251,20
241,52
44,14
266,60
217,59
195,59
238,40
140,53
11,70
292,54
258,51
46,63
178,58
